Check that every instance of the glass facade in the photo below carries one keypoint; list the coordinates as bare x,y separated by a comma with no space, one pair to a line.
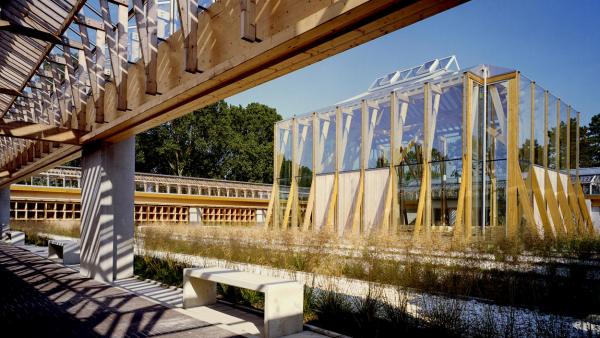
404,147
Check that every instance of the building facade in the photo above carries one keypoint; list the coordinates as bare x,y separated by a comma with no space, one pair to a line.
431,148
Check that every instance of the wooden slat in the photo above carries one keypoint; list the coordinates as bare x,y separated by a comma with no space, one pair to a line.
39,131
146,27
90,23
152,65
8,91
82,92
538,198
122,57
70,83
188,12
563,204
58,94
99,66
111,39
247,20
12,27
553,208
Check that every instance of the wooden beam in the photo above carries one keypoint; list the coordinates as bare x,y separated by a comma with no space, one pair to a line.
294,37
90,23
39,131
247,20
188,12
514,174
122,37
553,208
15,28
101,82
11,92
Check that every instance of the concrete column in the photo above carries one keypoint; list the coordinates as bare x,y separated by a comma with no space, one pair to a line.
4,210
107,210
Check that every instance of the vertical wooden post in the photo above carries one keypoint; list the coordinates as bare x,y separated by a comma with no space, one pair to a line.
293,195
338,150
568,141
532,137
546,139
514,173
427,148
315,143
276,167
577,148
393,162
122,36
557,141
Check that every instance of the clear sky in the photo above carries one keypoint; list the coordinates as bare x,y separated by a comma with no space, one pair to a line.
553,42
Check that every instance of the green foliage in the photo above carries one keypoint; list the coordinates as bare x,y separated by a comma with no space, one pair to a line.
219,141
166,270
589,146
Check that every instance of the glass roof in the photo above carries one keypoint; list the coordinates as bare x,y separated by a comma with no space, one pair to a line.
425,70
444,72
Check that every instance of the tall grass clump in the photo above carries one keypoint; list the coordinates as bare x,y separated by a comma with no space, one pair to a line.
62,228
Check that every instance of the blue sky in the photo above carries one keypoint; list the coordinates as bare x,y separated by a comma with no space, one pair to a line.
554,42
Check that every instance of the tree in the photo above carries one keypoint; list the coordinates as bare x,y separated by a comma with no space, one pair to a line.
589,144
219,141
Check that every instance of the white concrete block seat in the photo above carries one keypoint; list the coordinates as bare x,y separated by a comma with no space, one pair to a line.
283,298
14,237
64,251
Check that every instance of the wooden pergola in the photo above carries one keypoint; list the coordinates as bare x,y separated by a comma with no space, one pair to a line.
68,79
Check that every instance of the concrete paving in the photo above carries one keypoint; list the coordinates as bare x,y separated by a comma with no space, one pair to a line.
50,309
39,298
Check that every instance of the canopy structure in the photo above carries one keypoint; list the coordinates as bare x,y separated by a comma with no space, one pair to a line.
434,148
77,72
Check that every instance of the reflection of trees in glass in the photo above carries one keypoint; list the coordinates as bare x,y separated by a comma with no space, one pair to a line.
552,147
382,160
286,171
414,155
305,177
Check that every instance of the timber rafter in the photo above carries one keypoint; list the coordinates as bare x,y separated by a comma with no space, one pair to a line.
88,89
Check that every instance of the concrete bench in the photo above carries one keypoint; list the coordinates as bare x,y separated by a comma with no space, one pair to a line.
64,251
14,237
283,298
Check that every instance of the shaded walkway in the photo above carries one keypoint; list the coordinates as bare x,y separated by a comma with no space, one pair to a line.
43,299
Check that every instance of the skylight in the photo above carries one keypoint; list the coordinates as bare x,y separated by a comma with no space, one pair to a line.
428,68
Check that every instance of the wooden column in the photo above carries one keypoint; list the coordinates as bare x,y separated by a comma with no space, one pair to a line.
514,173
293,195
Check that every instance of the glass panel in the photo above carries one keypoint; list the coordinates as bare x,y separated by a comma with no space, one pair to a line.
164,19
573,140
378,135
477,103
412,130
134,52
496,154
304,178
524,123
444,190
284,156
552,102
563,137
409,185
325,156
410,170
446,168
351,133
284,145
539,116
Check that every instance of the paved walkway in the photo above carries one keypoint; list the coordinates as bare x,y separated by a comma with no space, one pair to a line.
39,298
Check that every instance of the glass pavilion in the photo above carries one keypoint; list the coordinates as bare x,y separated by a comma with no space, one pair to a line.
434,148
